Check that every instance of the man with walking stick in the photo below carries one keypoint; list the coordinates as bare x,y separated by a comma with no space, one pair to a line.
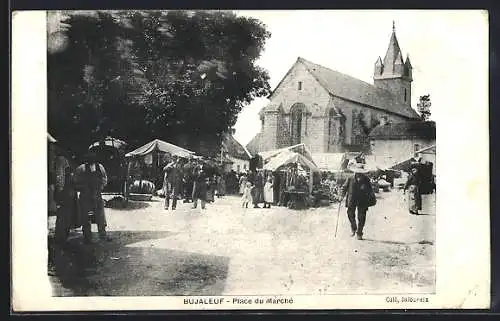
359,195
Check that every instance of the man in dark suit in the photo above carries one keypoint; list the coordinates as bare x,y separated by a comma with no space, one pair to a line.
258,189
358,189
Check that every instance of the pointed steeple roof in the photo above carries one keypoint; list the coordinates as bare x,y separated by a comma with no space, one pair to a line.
407,62
378,62
393,55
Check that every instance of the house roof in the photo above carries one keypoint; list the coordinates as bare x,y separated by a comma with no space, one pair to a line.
426,130
235,149
254,145
350,88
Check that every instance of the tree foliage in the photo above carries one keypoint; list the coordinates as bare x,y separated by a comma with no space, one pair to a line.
424,107
138,75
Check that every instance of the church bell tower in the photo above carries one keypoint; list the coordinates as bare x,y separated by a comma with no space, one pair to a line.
393,74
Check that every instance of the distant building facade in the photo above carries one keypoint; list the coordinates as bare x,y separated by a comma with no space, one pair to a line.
392,143
331,112
236,153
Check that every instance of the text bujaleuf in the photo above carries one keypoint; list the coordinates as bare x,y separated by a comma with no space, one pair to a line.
204,301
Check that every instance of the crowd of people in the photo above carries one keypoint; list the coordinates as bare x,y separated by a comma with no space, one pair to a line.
197,181
194,181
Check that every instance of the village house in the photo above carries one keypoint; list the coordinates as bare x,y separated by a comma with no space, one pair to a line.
237,155
331,112
392,143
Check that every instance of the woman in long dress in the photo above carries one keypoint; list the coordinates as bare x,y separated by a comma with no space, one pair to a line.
268,192
243,183
414,195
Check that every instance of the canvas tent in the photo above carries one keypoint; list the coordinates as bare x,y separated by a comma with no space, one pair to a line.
374,163
110,153
162,147
146,161
299,148
109,142
287,157
329,162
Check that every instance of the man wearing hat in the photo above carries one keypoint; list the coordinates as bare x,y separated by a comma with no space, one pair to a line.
413,186
172,182
90,180
359,192
199,187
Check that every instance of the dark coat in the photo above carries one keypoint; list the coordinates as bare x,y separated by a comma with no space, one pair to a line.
358,193
413,179
200,187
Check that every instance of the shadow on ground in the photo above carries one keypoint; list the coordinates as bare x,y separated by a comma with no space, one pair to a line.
121,205
423,242
118,268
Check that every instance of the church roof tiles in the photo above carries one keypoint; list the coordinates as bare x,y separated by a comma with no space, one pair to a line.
351,88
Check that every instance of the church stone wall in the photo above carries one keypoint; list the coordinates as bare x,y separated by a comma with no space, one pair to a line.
276,128
269,138
283,131
370,116
315,137
312,94
396,87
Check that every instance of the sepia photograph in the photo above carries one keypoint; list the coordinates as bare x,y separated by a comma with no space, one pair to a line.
235,157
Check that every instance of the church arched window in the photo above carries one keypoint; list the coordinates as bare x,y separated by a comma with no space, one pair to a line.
297,116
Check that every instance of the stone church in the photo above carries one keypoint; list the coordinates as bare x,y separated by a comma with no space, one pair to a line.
331,112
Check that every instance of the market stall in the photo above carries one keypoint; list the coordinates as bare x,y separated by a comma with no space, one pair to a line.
145,164
110,153
295,175
426,172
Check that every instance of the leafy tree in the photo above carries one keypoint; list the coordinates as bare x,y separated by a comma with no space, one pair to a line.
177,75
424,107
89,81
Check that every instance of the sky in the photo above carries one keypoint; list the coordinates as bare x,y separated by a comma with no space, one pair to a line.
448,51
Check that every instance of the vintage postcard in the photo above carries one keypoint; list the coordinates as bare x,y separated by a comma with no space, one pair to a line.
297,159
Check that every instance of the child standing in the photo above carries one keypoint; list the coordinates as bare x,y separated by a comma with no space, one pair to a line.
247,195
268,192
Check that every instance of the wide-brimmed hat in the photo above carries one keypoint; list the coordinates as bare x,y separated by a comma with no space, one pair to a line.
358,168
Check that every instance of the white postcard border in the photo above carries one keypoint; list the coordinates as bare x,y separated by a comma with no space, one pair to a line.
462,206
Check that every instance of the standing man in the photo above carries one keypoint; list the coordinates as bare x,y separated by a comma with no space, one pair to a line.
413,186
188,171
258,189
360,196
90,180
172,183
200,187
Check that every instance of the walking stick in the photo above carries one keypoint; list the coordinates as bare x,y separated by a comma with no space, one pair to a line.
338,216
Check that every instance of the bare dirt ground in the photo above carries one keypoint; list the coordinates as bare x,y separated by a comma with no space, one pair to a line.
227,250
